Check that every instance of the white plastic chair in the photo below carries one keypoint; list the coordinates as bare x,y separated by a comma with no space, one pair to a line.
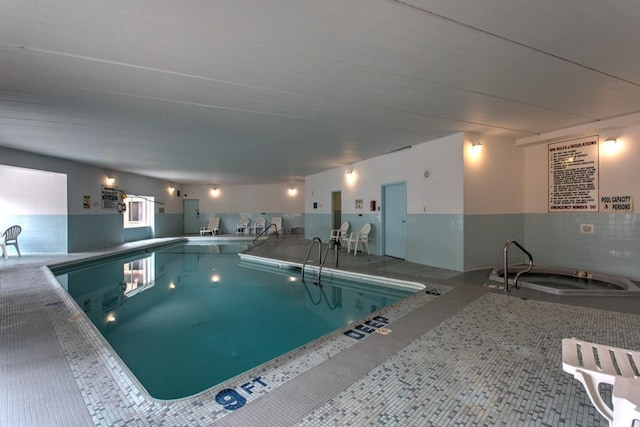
10,238
593,364
260,224
359,238
339,235
243,225
212,228
277,221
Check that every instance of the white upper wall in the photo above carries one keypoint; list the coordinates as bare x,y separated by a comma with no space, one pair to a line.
618,170
86,180
32,192
440,192
255,198
493,177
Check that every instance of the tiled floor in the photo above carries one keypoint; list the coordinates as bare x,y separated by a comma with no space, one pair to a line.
458,354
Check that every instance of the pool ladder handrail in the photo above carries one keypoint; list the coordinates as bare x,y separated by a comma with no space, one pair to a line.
321,259
306,259
264,231
505,264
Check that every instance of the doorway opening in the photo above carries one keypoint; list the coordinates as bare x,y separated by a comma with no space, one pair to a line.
336,209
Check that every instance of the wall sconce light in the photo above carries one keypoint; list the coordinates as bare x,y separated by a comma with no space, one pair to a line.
611,146
110,179
292,191
172,188
351,177
215,191
476,148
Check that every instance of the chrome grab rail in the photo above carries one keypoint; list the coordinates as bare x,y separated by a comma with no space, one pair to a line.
326,255
264,231
505,265
315,239
321,259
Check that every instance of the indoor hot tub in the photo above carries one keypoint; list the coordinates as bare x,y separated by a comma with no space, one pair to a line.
563,281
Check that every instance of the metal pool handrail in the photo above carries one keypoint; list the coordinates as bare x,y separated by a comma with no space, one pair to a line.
315,239
326,255
264,231
321,259
505,265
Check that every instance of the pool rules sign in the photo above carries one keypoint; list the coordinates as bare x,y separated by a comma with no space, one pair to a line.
573,175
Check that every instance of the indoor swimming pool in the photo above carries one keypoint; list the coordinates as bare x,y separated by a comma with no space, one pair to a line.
186,317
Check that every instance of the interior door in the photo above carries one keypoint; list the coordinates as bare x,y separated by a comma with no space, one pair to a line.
191,209
394,217
336,209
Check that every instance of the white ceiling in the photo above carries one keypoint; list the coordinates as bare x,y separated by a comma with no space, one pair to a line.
256,91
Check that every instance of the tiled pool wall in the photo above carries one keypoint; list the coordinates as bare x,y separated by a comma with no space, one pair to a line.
465,242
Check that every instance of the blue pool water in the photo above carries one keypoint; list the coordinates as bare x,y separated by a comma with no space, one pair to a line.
186,317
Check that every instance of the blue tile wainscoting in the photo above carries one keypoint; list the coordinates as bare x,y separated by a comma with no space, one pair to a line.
41,234
137,233
89,232
229,221
436,240
169,225
613,247
318,225
485,237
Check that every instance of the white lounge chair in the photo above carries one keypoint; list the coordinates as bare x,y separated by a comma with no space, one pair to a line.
339,236
593,364
277,221
360,238
259,225
10,238
243,225
212,228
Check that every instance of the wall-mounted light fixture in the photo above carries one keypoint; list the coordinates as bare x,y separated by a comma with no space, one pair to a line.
476,148
292,191
351,176
172,188
611,146
110,179
215,191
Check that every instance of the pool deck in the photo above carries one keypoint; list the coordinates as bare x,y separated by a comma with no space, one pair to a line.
457,353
